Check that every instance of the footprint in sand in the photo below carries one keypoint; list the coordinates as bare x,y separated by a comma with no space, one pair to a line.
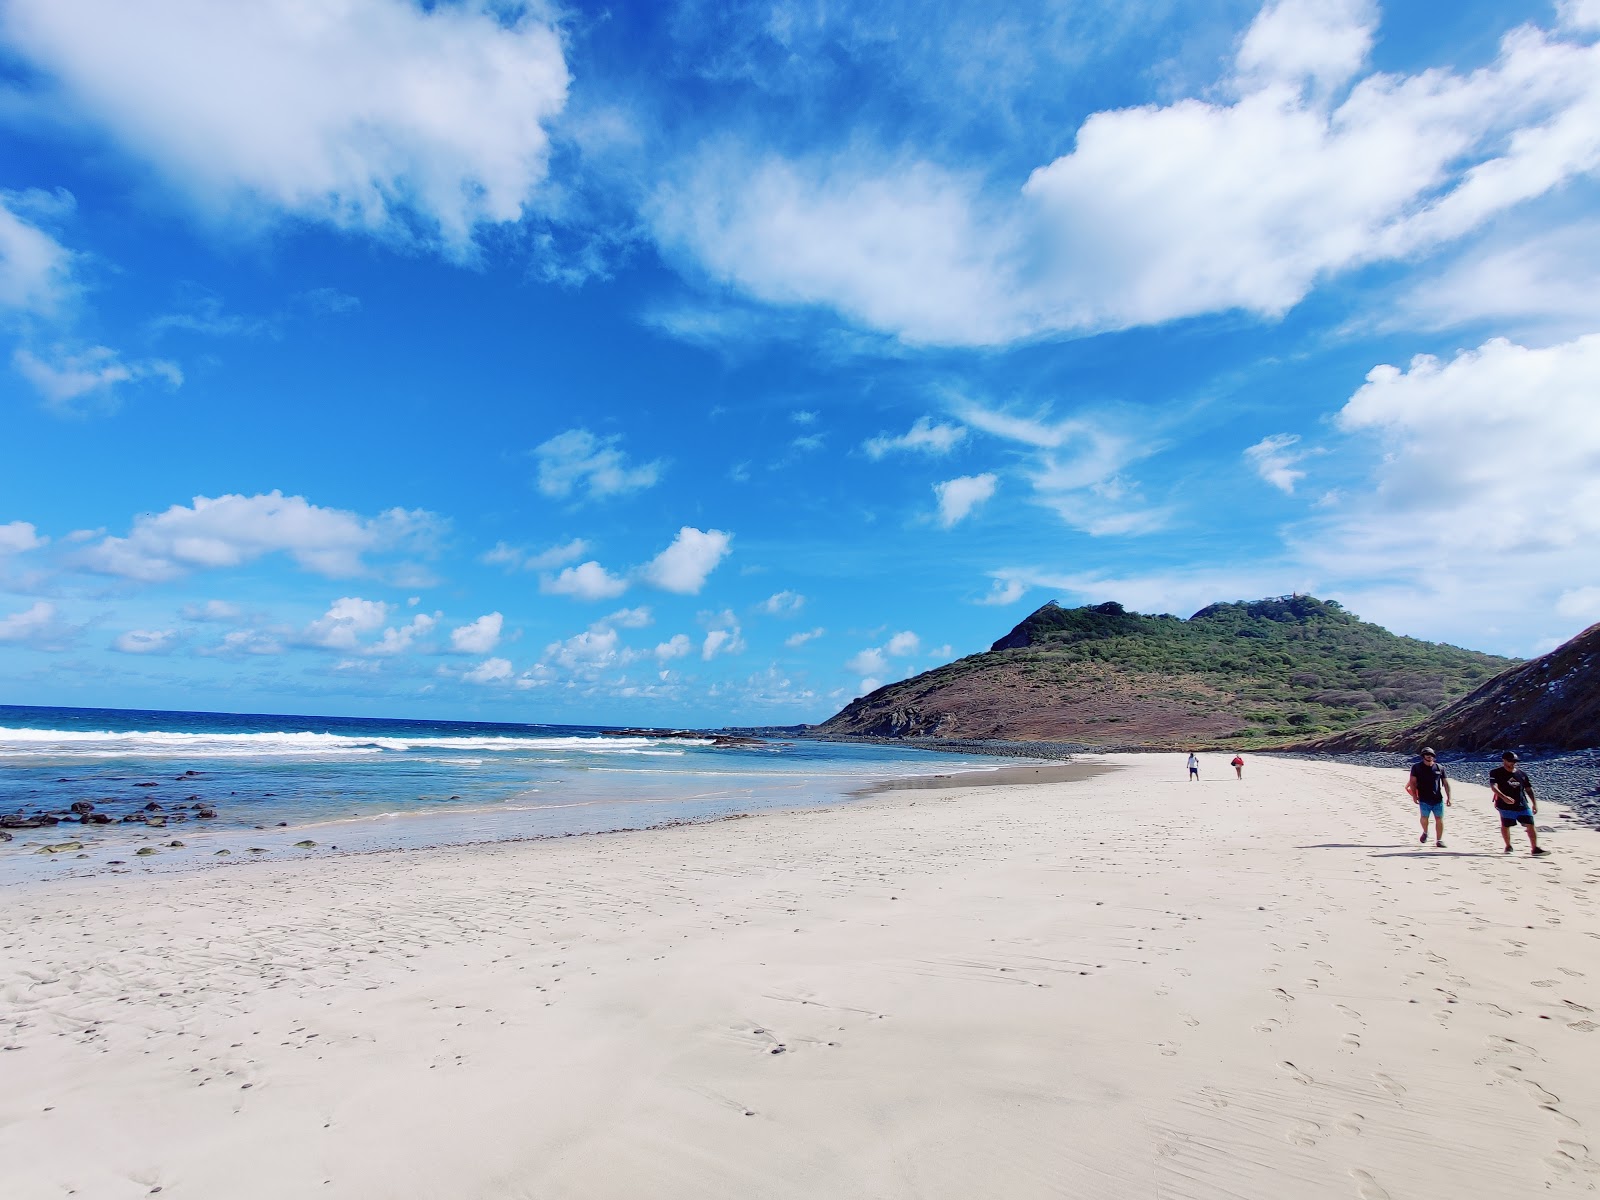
1349,1012
1571,972
1571,1157
1304,1133
1267,1026
1583,1026
1351,1123
1189,1020
1281,994
1546,982
1367,1187
1576,1007
1393,1086
1350,1042
1297,1074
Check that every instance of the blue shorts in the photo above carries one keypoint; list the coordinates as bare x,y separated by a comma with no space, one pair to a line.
1510,817
1431,808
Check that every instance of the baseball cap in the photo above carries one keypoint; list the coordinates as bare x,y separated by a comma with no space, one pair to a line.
1428,752
1509,756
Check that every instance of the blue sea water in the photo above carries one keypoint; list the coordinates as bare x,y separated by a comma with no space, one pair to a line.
364,783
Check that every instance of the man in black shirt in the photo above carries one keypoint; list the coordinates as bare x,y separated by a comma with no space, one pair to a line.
1430,788
1514,798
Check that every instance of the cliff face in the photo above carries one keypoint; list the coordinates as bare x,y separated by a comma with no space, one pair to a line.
1257,673
1551,703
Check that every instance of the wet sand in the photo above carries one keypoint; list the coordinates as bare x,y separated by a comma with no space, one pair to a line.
1125,987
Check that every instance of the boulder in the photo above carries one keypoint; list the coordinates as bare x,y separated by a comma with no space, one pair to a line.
82,806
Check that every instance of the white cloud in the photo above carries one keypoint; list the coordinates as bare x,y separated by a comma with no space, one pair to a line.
478,637
795,640
249,641
783,604
684,566
577,460
18,537
39,627
1579,14
722,641
490,670
231,530
902,644
520,558
67,377
631,618
347,620
397,640
220,611
1581,603
959,496
924,436
1158,212
597,647
586,581
871,661
1274,459
677,646
1004,589
145,641
372,115
35,269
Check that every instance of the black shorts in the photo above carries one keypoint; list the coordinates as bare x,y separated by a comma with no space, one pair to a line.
1508,819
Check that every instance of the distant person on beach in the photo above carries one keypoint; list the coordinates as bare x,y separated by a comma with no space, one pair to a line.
1238,766
1194,767
1514,798
1429,786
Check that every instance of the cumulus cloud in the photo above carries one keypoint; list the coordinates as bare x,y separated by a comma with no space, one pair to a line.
231,530
684,566
489,671
399,639
519,558
346,622
579,462
586,581
873,663
1004,589
783,604
248,641
958,497
902,644
145,641
381,116
18,537
477,637
1274,458
1301,167
35,269
220,611
65,377
925,436
677,646
38,627
795,640
631,618
724,638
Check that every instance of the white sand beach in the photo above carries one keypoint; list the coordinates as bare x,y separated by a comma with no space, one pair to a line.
1126,987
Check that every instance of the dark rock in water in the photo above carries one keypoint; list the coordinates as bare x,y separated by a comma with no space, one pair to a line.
145,851
305,845
175,844
156,822
4,836
132,817
258,849
224,851
98,819
152,807
151,784
82,806
191,799
190,775
283,824
205,812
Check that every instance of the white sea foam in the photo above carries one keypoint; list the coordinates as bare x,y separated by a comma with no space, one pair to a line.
32,743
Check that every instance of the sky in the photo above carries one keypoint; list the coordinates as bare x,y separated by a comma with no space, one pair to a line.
703,363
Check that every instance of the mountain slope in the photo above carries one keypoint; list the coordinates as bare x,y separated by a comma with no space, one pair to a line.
1552,702
1255,673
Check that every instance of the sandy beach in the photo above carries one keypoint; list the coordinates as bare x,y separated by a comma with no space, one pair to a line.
1126,986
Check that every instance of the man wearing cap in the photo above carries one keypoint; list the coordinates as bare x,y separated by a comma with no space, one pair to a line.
1514,798
1430,788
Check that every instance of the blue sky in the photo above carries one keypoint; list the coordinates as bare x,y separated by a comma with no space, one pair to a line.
693,362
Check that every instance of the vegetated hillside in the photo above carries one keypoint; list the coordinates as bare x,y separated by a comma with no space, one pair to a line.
1257,673
1550,703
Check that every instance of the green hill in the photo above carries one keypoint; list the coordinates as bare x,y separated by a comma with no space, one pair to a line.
1266,672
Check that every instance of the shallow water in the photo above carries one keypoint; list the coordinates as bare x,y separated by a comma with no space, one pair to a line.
361,783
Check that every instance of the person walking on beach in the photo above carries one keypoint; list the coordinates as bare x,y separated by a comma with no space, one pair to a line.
1238,766
1514,798
1430,788
1194,767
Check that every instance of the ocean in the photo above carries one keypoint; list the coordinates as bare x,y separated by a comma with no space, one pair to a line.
274,783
